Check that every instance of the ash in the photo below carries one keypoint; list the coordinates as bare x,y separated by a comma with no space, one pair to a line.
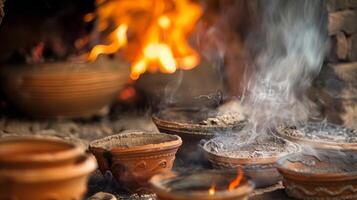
237,147
322,131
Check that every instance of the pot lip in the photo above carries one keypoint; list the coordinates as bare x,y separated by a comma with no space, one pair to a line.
248,161
175,143
191,128
155,183
72,151
310,176
67,66
317,144
84,165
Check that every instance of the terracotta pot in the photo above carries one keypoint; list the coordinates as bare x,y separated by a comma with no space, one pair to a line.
261,170
64,89
319,144
134,157
195,185
29,152
185,123
328,175
33,169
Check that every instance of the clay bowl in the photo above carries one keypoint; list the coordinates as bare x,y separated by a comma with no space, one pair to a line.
32,169
260,168
134,157
28,152
321,135
185,122
198,185
326,174
64,89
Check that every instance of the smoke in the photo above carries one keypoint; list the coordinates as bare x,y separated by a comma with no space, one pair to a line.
288,49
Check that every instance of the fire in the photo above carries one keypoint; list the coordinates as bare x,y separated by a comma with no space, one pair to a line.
212,190
235,183
232,185
151,34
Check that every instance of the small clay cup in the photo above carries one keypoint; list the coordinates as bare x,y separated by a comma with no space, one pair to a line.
33,169
195,185
133,157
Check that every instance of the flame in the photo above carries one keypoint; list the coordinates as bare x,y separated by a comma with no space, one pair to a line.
151,33
235,183
212,189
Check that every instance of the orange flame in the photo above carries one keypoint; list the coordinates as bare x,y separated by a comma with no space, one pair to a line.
235,183
153,32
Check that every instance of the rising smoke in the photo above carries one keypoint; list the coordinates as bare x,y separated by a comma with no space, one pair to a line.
288,49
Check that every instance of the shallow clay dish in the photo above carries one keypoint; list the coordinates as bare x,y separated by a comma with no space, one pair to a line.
327,175
64,89
321,135
134,157
32,169
197,184
190,124
258,160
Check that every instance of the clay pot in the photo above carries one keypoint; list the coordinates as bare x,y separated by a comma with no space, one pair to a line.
134,157
318,144
33,169
64,89
261,170
185,123
327,175
196,185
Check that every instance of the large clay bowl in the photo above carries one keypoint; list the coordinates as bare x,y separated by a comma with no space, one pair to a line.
185,122
41,172
64,89
328,175
261,170
195,185
134,157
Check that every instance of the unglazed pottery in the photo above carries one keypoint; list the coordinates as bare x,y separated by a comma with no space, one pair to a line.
196,185
35,169
319,143
322,175
184,122
134,157
64,89
261,170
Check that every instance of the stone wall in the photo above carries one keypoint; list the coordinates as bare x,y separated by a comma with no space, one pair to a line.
335,89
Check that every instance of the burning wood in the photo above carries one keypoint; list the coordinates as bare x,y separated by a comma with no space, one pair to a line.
152,34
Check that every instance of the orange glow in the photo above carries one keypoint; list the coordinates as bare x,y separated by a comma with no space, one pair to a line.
235,183
153,32
89,17
212,190
127,93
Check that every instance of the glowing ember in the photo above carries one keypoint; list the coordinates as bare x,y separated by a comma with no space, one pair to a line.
235,183
212,190
151,33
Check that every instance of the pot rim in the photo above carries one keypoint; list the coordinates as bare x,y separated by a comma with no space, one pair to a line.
191,128
146,148
71,150
316,143
248,161
310,176
245,189
84,165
